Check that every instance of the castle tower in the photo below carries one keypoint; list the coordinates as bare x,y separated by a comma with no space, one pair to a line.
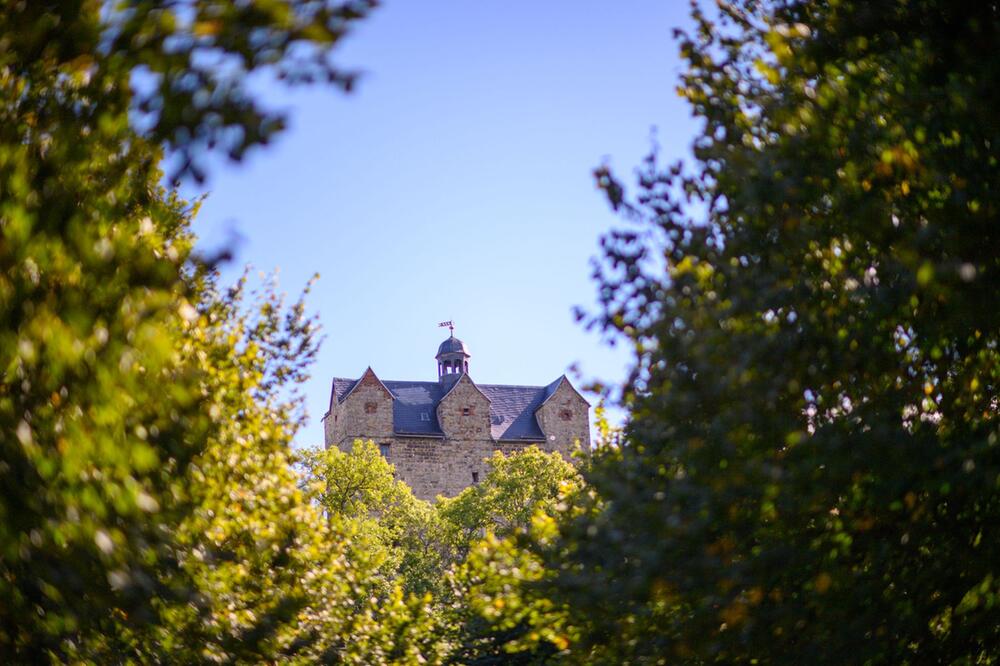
453,360
439,435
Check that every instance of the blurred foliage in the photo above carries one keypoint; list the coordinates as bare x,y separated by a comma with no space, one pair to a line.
812,466
100,415
180,68
147,509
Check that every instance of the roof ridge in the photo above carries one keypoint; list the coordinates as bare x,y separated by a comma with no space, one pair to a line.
434,383
409,381
511,386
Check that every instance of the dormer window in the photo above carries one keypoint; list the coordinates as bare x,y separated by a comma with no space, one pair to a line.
424,416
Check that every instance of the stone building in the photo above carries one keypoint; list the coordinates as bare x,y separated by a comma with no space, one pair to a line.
437,434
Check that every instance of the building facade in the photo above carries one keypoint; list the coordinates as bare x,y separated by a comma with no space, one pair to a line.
438,434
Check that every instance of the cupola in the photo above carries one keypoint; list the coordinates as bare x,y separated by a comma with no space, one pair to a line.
453,359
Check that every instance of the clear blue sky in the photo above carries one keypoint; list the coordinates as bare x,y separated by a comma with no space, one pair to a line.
455,183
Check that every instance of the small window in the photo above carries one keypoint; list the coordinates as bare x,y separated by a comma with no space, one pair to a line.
565,415
466,411
370,407
424,416
475,477
384,450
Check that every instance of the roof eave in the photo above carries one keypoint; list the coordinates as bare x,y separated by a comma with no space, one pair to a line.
419,435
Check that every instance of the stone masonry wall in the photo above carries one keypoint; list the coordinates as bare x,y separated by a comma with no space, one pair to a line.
333,424
366,413
565,420
434,466
464,413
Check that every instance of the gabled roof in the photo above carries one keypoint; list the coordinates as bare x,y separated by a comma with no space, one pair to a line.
461,378
366,373
551,389
512,408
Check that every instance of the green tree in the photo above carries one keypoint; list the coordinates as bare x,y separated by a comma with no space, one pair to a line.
494,607
402,533
516,487
127,408
267,578
499,612
810,474
357,485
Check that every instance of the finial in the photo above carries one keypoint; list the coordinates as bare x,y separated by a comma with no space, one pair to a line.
450,325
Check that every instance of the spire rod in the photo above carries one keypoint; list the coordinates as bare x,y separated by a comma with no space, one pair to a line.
451,327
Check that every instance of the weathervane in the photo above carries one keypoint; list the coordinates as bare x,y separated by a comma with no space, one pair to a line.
451,326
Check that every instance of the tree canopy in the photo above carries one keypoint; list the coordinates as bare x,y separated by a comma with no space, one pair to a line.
812,458
144,495
512,492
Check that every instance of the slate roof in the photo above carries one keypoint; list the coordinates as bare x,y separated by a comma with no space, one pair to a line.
411,400
512,408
